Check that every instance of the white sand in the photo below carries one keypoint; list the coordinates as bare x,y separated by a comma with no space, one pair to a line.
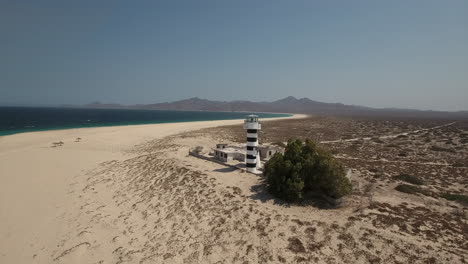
40,186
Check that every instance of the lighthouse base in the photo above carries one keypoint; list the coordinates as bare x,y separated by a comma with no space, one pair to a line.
253,170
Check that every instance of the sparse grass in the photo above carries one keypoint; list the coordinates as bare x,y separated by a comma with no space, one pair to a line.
463,199
410,179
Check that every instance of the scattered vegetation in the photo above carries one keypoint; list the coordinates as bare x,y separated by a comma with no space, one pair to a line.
198,149
463,199
458,164
442,149
411,189
410,179
305,170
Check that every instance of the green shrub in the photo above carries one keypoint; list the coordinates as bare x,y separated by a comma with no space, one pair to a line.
463,199
411,189
305,168
410,178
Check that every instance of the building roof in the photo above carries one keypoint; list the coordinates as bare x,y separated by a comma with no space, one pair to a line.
230,150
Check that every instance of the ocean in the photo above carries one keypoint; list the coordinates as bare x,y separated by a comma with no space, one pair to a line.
28,119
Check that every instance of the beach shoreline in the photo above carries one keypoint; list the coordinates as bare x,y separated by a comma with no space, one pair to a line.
44,127
38,175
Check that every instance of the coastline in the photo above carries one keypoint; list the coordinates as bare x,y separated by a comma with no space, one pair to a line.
39,181
34,128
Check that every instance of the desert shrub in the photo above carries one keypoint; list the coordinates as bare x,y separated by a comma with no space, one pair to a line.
406,188
410,179
198,149
460,212
438,148
458,164
411,189
463,199
334,151
305,169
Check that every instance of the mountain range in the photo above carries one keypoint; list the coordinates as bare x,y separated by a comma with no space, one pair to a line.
289,104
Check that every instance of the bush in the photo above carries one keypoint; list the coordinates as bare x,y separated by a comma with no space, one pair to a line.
463,199
305,169
198,149
441,149
458,164
411,189
410,178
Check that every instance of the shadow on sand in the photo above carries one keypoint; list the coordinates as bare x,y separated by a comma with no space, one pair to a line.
260,193
226,169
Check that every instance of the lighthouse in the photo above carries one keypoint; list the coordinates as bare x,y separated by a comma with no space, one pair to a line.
252,126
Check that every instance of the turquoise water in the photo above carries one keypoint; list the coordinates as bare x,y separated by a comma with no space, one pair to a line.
28,119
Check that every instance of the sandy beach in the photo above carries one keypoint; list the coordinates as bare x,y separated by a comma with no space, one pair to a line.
82,202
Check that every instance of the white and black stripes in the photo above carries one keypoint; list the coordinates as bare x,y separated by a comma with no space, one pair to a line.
252,126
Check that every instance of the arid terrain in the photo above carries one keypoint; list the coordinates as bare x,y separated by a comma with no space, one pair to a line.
171,207
160,205
383,224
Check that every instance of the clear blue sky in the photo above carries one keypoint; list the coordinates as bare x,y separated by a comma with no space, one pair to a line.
410,54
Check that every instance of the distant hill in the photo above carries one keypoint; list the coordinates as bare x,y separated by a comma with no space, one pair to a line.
286,105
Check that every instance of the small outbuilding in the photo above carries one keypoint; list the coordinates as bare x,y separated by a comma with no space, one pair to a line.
226,153
266,152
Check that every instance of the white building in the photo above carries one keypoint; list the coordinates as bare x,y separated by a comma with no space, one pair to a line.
228,153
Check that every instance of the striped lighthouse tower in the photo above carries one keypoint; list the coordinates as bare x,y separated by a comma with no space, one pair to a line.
252,126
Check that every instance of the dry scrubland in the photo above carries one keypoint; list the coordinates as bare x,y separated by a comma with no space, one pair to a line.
169,207
159,205
378,223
